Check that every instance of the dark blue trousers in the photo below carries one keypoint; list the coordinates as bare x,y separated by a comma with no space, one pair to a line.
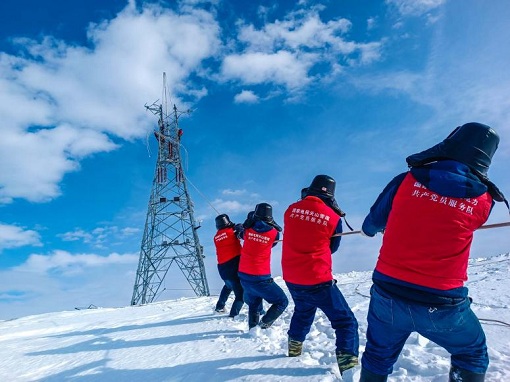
328,298
228,273
454,327
256,290
223,297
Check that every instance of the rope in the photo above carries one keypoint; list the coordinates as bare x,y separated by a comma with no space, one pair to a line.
496,225
496,321
346,233
202,195
487,226
335,235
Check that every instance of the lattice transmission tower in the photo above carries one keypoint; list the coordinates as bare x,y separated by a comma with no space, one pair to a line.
170,234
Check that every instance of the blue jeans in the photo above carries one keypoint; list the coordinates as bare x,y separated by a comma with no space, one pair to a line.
223,297
228,273
256,290
454,327
328,298
236,286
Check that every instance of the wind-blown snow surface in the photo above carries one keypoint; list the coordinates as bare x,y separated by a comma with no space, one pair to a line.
182,340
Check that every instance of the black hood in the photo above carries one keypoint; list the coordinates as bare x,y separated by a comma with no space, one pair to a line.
473,144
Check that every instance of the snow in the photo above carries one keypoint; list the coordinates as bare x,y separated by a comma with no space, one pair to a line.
182,340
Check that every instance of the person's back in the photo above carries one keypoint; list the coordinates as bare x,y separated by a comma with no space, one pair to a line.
256,250
306,255
261,233
428,217
432,222
227,244
228,251
311,228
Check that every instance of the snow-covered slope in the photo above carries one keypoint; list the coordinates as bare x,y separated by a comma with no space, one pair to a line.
181,340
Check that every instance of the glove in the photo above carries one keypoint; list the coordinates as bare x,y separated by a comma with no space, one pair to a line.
238,229
365,234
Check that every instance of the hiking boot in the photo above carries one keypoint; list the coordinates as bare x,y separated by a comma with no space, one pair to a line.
461,375
368,376
265,325
346,361
253,320
295,348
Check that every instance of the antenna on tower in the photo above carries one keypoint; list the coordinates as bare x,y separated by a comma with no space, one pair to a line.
170,234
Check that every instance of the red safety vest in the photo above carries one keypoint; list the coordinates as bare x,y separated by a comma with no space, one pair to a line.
227,245
256,252
309,225
428,236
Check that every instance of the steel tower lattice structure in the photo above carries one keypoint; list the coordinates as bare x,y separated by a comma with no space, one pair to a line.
170,234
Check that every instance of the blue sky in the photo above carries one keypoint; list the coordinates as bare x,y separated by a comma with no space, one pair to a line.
280,92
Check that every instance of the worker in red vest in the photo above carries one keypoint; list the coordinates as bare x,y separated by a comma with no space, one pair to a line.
228,252
260,235
428,216
311,225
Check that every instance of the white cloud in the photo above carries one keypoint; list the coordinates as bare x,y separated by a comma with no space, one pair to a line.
60,103
12,236
100,235
284,52
239,201
464,77
130,231
63,281
295,32
403,81
33,163
228,191
246,96
236,201
283,68
368,53
415,7
371,23
82,99
64,263
76,235
231,206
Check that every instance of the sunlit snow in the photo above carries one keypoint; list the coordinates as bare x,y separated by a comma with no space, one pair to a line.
182,340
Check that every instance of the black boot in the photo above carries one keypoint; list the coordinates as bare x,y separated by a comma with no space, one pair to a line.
253,319
461,375
368,376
